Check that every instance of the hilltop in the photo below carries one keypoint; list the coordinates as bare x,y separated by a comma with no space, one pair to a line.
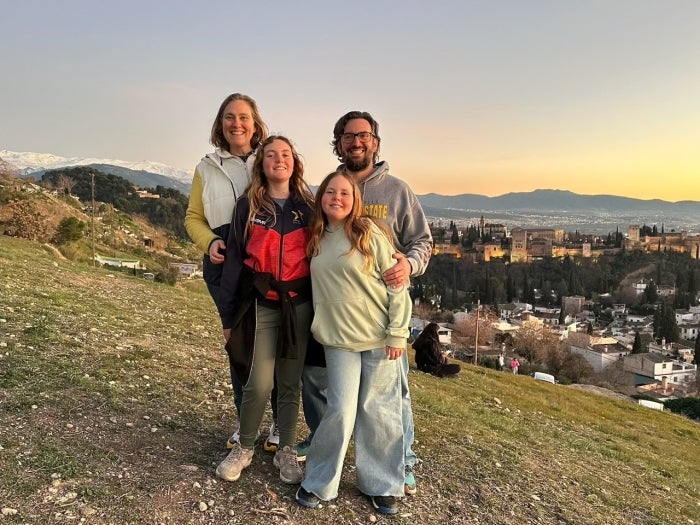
115,405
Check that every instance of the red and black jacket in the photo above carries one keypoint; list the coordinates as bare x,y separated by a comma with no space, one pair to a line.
274,251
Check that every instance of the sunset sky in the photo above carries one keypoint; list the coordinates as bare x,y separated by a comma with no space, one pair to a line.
472,96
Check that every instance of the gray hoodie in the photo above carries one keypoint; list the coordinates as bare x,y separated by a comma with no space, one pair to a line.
392,201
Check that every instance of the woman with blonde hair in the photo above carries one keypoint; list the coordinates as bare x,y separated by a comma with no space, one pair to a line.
266,305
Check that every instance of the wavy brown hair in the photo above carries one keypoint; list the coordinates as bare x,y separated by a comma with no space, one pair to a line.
257,192
217,137
357,225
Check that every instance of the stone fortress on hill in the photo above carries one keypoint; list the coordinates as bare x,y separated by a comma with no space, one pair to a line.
525,245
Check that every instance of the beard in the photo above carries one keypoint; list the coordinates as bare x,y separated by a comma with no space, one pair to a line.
357,164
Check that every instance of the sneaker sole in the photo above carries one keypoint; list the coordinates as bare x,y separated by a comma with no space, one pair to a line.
270,447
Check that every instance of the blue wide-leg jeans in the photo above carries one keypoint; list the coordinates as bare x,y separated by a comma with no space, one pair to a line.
364,397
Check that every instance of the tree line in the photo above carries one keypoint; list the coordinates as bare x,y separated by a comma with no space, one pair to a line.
453,283
167,211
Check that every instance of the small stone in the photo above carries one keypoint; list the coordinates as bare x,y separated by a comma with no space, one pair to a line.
535,497
8,511
496,400
34,407
87,511
69,426
202,506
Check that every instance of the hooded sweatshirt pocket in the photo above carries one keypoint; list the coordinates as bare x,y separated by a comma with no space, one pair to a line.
347,321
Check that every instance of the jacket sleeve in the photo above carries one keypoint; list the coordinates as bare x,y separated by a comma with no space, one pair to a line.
399,300
196,222
233,264
415,236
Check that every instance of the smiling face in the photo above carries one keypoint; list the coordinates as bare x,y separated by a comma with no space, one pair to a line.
357,155
238,126
337,200
278,161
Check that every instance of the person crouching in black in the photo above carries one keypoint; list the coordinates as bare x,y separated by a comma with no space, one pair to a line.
429,355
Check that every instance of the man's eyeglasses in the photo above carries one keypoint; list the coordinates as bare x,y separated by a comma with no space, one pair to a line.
364,136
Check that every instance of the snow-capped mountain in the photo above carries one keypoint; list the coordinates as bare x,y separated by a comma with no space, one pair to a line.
28,162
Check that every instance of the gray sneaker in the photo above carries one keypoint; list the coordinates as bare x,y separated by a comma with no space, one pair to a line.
286,460
230,468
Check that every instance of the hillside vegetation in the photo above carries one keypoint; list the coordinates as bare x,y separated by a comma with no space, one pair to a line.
31,212
115,407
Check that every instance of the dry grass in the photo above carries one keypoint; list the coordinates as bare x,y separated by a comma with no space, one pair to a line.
115,404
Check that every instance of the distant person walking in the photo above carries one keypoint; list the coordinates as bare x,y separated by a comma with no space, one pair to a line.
501,362
514,365
430,357
219,180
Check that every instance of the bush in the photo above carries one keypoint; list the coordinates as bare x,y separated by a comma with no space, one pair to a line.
169,275
69,229
687,406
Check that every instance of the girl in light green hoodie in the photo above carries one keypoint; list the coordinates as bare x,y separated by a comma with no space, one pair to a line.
363,326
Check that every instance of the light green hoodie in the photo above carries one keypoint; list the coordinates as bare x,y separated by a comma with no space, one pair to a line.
355,310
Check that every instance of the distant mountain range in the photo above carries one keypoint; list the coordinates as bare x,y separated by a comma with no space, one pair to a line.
565,210
145,174
541,208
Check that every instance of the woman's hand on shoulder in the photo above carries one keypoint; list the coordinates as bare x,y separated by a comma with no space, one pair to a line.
393,352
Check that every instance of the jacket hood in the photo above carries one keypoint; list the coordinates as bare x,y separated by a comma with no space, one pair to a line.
381,169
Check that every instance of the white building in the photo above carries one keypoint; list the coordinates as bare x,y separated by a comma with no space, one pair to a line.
657,368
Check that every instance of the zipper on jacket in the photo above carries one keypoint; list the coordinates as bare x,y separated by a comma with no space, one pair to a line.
281,251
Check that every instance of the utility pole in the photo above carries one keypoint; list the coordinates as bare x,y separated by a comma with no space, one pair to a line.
92,221
476,338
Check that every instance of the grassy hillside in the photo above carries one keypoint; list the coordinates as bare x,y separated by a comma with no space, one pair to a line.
115,405
29,212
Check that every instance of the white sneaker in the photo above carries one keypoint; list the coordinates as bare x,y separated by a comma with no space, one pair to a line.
272,442
286,461
230,468
236,436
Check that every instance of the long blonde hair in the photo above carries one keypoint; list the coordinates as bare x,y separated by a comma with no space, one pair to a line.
257,192
357,225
